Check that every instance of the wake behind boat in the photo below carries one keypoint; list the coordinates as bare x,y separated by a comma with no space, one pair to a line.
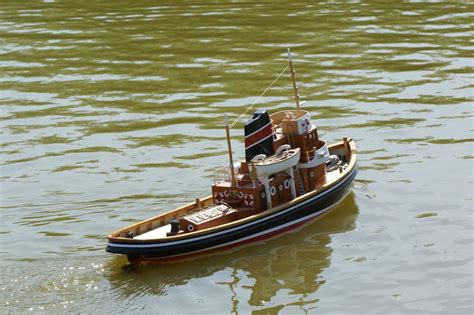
289,177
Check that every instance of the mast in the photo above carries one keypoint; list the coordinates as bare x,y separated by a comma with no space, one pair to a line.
295,88
229,148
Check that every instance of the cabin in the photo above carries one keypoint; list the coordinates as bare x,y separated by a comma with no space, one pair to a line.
284,158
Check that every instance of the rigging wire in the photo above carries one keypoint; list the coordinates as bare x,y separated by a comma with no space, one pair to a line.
255,101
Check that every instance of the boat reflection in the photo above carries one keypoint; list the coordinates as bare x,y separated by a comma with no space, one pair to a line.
292,262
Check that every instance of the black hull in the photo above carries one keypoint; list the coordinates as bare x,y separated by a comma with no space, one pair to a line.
264,227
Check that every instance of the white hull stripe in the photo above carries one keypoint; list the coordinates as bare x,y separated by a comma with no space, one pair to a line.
280,227
258,130
192,239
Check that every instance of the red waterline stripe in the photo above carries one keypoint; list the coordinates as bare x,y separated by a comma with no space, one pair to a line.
227,247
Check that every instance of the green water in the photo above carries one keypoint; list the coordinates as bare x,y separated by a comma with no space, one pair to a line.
112,111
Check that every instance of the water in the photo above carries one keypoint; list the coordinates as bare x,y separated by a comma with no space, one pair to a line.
111,112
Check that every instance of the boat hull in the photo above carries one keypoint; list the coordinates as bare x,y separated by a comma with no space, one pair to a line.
285,219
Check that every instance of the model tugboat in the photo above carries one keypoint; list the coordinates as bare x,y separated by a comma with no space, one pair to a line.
289,177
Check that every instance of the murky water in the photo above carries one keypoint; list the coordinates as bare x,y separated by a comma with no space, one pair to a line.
111,112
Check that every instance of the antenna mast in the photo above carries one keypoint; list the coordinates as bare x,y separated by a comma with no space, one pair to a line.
295,88
229,148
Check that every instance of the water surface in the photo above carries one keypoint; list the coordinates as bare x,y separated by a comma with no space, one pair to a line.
113,112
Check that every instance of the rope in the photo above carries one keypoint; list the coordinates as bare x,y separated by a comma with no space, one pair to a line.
254,102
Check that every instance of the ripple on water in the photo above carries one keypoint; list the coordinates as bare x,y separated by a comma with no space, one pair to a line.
63,288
